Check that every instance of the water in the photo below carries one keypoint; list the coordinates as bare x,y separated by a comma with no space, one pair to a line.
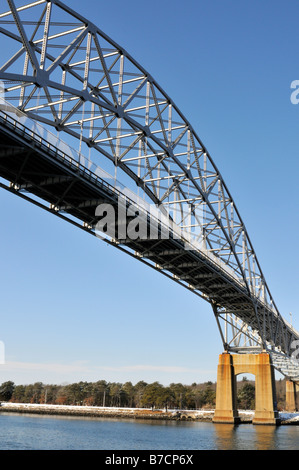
32,432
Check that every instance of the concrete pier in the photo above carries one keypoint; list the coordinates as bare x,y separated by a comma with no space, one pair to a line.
292,389
230,365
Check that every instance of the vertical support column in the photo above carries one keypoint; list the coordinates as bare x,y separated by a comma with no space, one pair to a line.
265,393
230,365
296,396
226,409
291,396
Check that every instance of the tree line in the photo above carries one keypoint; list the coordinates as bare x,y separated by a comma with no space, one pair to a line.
115,394
112,394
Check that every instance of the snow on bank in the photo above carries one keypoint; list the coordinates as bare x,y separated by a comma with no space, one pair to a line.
45,407
107,411
287,418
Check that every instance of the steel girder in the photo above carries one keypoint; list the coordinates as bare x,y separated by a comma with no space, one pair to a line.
60,69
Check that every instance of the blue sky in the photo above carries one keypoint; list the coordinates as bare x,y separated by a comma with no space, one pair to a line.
74,308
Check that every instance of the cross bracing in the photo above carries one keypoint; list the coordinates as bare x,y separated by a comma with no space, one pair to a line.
62,71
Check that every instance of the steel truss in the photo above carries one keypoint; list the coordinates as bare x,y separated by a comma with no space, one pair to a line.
68,74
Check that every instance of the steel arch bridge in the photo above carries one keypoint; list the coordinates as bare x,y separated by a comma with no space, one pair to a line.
60,71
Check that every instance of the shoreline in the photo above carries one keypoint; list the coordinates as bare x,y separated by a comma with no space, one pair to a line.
131,413
108,412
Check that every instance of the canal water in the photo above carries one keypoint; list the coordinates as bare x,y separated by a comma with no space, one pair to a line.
32,432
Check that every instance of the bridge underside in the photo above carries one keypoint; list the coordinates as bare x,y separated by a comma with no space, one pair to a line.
60,69
69,190
39,173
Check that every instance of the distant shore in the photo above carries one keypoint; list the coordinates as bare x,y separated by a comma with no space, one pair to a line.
131,413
